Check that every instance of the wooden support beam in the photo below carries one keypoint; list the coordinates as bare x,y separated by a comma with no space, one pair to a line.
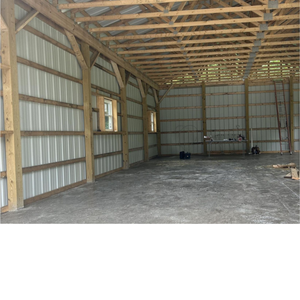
88,116
127,76
94,58
247,126
118,75
145,122
77,51
157,108
204,127
114,3
155,95
291,94
125,145
166,93
177,13
49,11
22,23
141,87
3,24
11,109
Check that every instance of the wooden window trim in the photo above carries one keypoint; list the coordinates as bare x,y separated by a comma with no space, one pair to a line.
101,114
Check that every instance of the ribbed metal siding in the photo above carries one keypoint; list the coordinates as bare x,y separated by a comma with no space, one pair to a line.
134,109
235,115
106,164
35,49
44,181
133,92
103,79
193,125
38,150
150,100
152,140
107,144
258,121
42,27
36,83
135,141
136,156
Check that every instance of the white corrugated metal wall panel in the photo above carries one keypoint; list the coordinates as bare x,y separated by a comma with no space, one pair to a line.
258,121
150,100
133,92
106,164
181,101
136,156
235,115
153,151
104,80
44,117
42,27
44,181
38,150
152,139
135,141
36,83
107,144
134,109
35,49
135,125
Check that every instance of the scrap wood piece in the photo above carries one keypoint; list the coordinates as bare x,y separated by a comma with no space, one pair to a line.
291,165
295,174
289,175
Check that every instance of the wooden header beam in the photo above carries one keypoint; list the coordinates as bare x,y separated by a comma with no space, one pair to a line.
184,12
49,11
114,3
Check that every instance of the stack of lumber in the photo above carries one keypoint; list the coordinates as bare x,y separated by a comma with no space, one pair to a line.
293,171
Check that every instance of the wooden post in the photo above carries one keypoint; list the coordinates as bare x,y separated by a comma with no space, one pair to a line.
157,108
291,93
88,116
204,116
145,122
247,116
124,120
11,109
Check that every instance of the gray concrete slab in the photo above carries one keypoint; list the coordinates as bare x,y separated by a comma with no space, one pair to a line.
219,189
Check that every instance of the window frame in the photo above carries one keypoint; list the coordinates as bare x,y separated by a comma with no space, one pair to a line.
101,114
150,122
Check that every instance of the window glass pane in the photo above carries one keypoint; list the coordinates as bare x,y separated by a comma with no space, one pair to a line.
151,117
106,122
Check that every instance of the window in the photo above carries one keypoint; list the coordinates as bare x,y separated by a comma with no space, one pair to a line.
108,114
152,121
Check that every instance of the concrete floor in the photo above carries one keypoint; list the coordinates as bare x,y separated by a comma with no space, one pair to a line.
220,189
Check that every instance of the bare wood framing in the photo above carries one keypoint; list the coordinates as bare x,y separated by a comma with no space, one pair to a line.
114,3
88,116
124,77
3,24
203,96
77,50
166,93
22,23
165,13
94,58
291,94
11,109
118,75
247,115
145,121
141,87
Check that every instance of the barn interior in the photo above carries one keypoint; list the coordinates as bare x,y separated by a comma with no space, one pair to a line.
149,111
